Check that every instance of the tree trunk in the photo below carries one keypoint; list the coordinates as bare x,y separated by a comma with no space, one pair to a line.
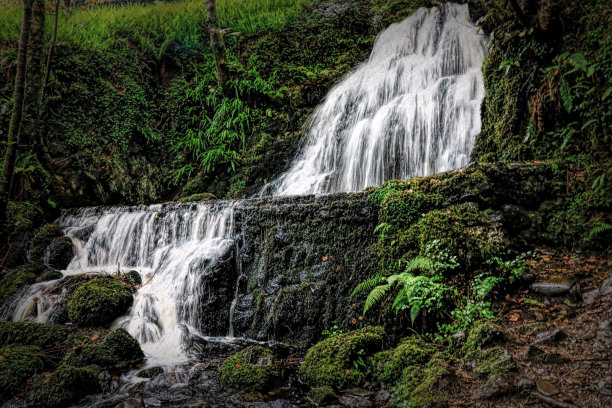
34,74
12,142
217,45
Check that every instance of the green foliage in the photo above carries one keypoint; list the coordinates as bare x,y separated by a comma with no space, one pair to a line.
332,331
335,361
252,367
66,386
117,349
18,363
98,302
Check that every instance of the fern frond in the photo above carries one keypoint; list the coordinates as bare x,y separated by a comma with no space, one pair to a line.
368,284
401,301
375,295
599,228
420,263
414,312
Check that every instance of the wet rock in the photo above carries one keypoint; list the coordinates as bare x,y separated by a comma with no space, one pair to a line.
104,379
590,296
149,372
539,356
606,287
245,398
496,386
133,277
552,288
197,404
131,403
546,388
525,384
355,402
604,387
604,334
550,337
152,402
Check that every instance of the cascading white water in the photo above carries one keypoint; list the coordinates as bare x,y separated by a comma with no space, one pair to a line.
412,109
170,247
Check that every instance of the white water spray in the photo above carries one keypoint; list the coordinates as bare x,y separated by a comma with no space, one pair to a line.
412,109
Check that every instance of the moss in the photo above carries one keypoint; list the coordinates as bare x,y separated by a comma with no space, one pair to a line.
133,277
51,274
321,395
429,387
493,368
116,349
330,362
23,216
387,366
65,386
252,367
45,336
197,197
17,364
98,302
15,281
484,333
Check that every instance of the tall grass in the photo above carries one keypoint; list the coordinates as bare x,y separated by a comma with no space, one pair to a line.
96,28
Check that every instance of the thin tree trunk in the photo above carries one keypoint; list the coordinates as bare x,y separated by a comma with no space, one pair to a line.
12,142
34,74
217,45
51,49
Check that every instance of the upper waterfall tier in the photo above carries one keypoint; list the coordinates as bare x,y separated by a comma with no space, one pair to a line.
412,109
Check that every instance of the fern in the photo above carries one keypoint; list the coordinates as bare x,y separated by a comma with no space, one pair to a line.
599,228
368,284
375,295
420,263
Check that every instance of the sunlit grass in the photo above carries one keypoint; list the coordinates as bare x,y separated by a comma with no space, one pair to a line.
98,27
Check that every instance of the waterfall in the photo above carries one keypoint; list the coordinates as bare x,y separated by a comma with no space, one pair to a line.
412,109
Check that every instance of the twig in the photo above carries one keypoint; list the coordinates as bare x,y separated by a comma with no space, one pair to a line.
552,401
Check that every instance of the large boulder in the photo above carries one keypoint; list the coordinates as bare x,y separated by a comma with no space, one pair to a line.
99,301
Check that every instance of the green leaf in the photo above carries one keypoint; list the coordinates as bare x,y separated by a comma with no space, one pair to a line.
579,61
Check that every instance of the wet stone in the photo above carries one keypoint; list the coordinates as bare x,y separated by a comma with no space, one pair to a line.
149,372
550,337
131,403
604,334
590,296
355,402
552,288
152,402
546,388
604,387
606,287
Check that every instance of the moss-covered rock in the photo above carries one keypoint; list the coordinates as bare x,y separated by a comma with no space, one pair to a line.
65,386
133,277
197,197
387,366
331,361
427,387
321,395
51,274
116,349
252,367
494,369
17,364
484,333
98,302
45,336
42,240
61,252
24,275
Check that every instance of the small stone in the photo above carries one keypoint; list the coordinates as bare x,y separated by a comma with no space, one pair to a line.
604,387
606,287
152,402
552,288
539,316
149,372
355,402
590,296
525,384
197,404
550,337
546,388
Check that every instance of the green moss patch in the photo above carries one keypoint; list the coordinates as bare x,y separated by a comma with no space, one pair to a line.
197,197
252,367
387,366
45,336
116,349
484,333
65,386
98,302
24,275
17,364
336,361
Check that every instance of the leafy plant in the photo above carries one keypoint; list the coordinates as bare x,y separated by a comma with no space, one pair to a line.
332,331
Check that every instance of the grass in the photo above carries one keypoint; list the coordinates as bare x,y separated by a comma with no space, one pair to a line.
96,28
